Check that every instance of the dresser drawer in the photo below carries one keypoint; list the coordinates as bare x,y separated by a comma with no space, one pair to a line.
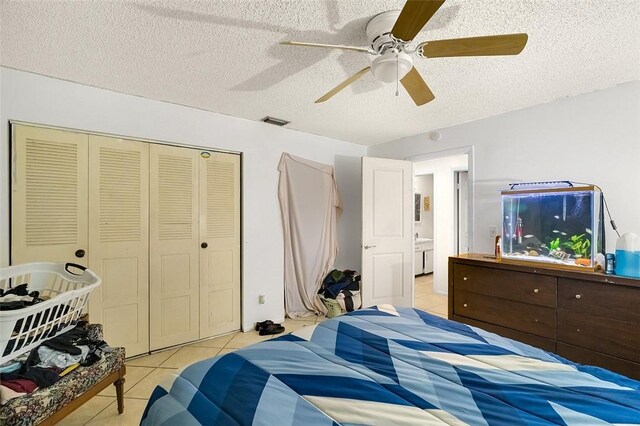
533,289
530,339
519,316
585,356
603,300
616,338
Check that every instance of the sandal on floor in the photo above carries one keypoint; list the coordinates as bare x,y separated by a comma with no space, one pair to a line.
263,324
271,329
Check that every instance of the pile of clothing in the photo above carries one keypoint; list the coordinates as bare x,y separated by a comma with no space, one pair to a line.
18,297
49,362
340,292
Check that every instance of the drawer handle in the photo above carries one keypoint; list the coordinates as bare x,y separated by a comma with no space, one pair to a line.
464,304
578,296
578,330
464,278
535,290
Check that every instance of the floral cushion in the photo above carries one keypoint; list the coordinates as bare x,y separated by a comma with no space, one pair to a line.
42,403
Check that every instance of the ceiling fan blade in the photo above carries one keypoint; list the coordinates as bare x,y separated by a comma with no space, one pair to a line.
413,17
342,85
507,44
327,46
417,88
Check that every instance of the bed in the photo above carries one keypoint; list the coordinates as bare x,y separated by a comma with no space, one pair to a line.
393,366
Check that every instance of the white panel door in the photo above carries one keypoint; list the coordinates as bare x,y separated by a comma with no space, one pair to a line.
219,244
49,196
387,227
119,240
173,246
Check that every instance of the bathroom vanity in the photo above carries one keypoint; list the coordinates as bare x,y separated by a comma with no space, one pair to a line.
423,256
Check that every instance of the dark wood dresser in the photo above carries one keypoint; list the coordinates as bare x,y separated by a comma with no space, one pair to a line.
587,317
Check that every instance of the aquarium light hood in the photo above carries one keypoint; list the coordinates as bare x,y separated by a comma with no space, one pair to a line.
547,184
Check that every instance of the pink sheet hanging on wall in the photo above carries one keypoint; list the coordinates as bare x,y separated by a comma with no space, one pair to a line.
310,204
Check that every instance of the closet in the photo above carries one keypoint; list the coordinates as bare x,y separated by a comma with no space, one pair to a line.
159,224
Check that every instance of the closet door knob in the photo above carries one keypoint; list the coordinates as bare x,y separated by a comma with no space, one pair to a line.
204,245
80,253
535,290
578,296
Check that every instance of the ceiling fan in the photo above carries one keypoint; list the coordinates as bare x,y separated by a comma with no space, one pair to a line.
390,34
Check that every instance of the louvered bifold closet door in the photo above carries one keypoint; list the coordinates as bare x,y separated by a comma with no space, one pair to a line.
220,244
119,240
49,196
173,246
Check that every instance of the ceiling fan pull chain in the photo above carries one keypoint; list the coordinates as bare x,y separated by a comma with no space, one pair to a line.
397,75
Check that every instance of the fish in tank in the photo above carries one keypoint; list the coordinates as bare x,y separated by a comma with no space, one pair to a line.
557,226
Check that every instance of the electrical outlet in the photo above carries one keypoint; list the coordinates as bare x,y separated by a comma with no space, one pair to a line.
492,231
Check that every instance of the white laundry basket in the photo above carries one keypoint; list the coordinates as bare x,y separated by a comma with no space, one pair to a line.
65,288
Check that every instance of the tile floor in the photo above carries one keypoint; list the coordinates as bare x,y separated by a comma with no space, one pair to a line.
144,373
427,300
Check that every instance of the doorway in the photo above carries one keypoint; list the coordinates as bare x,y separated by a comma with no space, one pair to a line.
423,225
452,212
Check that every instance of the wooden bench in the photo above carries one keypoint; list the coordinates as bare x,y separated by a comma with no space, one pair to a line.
49,405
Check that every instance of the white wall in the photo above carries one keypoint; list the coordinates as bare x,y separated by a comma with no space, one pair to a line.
593,138
444,210
349,178
423,185
37,99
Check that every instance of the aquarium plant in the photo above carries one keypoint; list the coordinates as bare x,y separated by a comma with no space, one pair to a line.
554,244
580,245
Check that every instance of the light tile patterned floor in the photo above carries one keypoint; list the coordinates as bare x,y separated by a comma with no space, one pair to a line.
144,373
427,300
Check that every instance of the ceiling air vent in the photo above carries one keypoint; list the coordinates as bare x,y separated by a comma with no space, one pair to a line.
275,121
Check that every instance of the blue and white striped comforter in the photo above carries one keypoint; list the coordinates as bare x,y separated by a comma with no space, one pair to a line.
392,366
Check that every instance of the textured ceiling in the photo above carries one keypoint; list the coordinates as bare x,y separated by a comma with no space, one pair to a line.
224,56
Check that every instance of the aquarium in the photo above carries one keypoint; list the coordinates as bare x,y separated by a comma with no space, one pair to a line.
555,226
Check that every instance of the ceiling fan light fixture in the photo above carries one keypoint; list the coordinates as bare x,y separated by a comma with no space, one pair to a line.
391,66
391,34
